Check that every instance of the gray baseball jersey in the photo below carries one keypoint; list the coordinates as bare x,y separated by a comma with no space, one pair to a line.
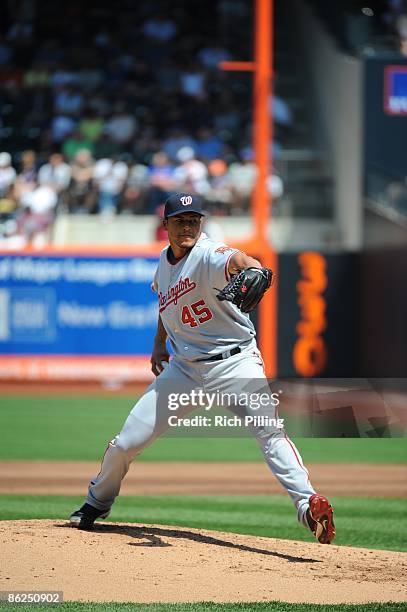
199,325
196,322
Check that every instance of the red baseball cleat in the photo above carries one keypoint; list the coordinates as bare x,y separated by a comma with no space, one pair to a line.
320,518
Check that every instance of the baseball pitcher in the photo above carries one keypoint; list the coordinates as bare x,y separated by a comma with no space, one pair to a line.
205,291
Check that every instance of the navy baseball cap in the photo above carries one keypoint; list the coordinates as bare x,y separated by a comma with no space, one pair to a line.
179,203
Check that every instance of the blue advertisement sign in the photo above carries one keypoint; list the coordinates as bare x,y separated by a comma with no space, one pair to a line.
395,90
77,305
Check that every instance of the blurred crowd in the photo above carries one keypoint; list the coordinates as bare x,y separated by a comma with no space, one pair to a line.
107,109
32,194
126,79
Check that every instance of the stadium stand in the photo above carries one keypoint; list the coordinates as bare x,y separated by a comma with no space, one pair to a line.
105,108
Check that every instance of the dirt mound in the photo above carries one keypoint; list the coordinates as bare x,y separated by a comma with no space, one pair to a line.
142,563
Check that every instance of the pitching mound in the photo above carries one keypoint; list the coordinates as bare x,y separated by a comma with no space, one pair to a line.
139,563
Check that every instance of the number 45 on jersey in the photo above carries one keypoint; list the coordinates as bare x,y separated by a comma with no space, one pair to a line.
195,314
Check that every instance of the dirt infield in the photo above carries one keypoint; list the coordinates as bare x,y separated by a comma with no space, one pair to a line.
139,563
71,388
182,478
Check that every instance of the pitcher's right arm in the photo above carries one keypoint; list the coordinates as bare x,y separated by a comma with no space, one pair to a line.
160,352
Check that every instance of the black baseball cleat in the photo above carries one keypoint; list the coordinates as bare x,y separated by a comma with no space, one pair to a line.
85,517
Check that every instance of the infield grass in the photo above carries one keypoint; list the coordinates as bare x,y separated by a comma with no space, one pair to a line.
270,606
79,427
366,522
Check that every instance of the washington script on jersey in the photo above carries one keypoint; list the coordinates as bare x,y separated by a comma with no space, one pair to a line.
183,286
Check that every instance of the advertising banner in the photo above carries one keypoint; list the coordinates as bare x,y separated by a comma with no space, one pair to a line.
76,316
318,306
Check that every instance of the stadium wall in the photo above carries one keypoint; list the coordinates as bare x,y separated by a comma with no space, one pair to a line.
67,315
337,82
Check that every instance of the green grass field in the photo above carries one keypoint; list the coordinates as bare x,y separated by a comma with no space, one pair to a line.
77,428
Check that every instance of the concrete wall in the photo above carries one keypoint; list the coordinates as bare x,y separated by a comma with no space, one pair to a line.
383,231
337,85
285,234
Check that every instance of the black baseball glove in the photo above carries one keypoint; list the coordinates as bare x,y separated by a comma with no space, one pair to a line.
247,288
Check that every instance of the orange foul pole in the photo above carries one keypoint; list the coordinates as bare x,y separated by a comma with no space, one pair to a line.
261,204
261,120
258,243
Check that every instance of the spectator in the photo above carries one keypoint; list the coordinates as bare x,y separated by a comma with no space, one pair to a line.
208,145
161,179
242,177
82,198
26,180
212,56
61,127
133,200
56,173
36,217
102,38
220,184
282,114
75,143
160,28
282,118
37,76
7,174
401,27
122,126
109,178
8,213
193,82
176,139
41,201
275,186
191,175
69,101
145,145
32,229
91,125
63,77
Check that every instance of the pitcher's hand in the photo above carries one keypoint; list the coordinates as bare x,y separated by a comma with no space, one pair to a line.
159,355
